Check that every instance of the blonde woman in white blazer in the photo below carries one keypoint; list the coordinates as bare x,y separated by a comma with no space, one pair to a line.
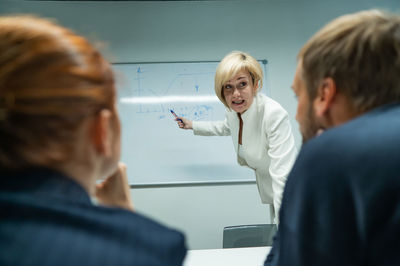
259,126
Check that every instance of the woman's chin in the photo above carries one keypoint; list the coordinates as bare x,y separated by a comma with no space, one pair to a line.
239,108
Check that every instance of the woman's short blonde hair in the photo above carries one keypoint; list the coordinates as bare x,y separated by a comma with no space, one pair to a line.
233,63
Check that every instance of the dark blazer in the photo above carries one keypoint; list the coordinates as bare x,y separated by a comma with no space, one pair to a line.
341,204
48,219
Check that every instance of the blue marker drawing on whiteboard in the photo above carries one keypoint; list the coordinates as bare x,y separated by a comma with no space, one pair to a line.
172,112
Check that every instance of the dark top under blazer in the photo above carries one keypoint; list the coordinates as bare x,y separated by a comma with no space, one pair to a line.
48,219
341,204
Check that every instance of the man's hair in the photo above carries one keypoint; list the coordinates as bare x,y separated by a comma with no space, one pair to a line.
361,53
232,64
50,81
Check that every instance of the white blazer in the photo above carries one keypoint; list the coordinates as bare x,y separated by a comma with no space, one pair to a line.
267,144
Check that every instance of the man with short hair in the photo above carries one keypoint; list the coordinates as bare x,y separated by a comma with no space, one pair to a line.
341,204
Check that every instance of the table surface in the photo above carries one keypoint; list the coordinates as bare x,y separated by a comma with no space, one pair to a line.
254,256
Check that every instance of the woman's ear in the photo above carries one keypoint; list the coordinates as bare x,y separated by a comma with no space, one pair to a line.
256,84
326,93
101,132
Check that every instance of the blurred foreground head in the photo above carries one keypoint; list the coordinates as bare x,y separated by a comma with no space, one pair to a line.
355,57
54,88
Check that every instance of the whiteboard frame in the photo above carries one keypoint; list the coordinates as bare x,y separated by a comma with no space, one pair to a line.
264,64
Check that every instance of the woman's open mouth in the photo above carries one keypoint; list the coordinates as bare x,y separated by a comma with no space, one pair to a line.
238,103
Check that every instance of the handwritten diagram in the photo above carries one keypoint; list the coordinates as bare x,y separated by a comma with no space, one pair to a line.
149,87
154,148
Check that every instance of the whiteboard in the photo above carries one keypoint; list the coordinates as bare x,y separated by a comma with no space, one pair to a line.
154,149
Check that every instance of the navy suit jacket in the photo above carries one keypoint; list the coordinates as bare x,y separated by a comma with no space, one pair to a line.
341,204
48,219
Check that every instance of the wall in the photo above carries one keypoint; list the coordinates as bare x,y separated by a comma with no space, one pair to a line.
205,30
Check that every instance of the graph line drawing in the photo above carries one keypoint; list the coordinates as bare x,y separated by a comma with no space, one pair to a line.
158,81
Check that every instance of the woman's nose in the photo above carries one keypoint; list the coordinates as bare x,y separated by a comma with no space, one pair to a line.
236,92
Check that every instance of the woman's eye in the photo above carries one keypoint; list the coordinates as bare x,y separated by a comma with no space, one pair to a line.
242,84
228,87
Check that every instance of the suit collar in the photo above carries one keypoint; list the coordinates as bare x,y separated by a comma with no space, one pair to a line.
252,109
44,182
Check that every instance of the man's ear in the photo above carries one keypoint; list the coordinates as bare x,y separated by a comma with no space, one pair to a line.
101,132
325,96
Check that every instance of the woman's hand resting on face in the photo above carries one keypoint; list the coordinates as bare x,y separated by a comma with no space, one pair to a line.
115,190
